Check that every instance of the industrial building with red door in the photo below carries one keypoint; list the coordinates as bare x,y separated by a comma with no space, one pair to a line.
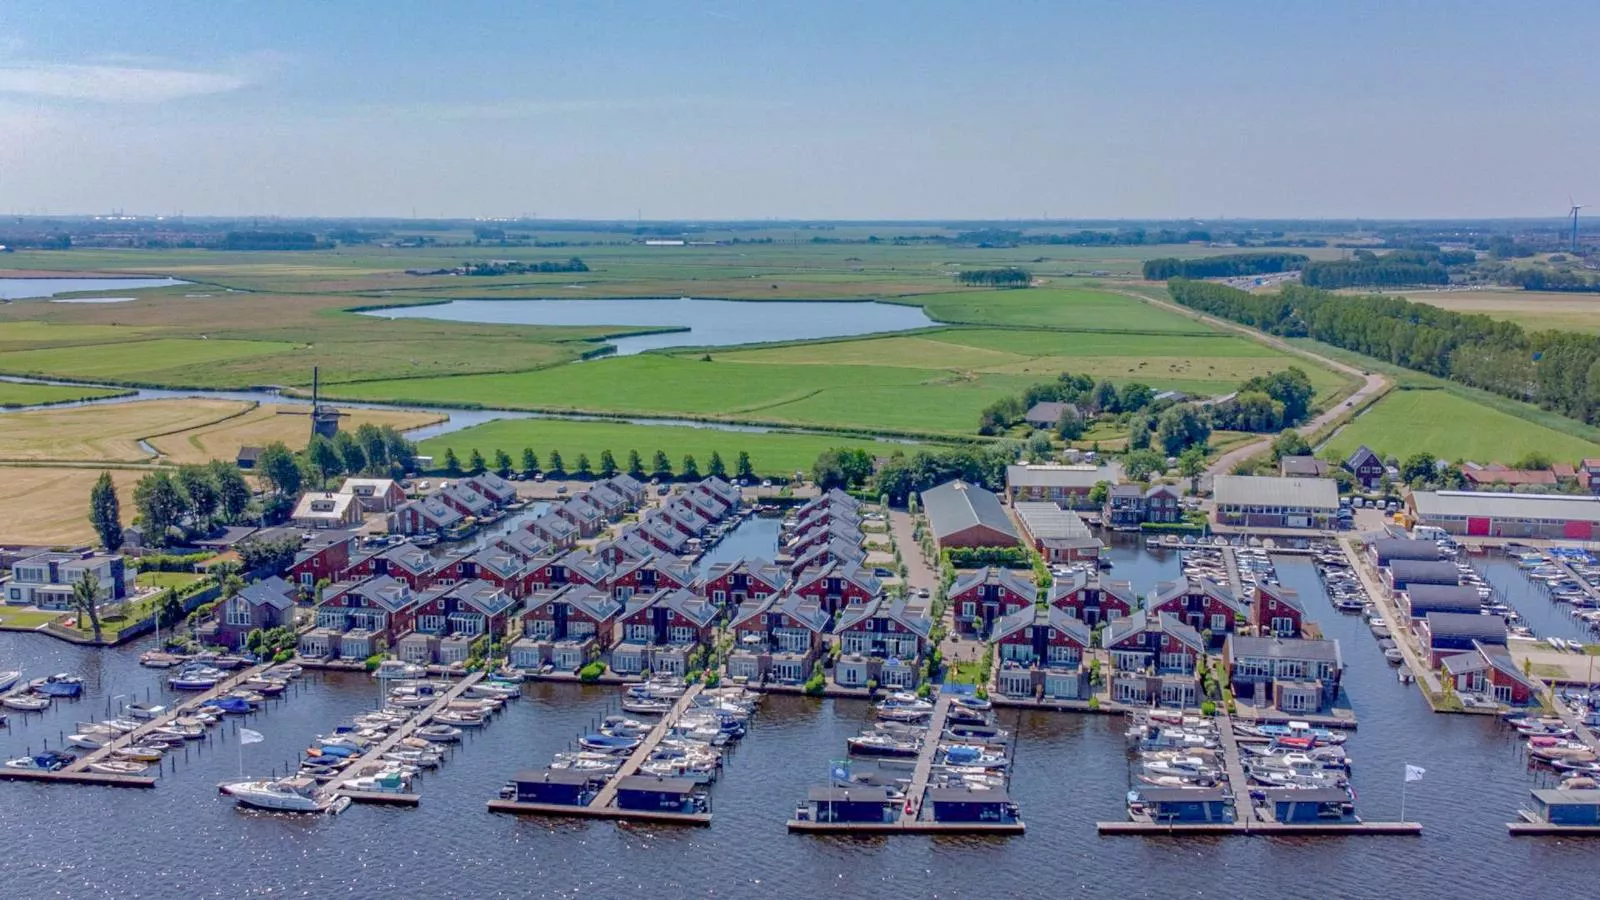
1485,514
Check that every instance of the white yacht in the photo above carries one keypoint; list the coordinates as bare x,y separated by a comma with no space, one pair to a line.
280,795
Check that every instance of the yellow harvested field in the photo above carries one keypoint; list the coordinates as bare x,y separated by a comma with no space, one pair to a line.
50,506
108,433
1531,309
268,423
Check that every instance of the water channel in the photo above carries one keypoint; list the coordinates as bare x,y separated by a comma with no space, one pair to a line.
38,288
700,323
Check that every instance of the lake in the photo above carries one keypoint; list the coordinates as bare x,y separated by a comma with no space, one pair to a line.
182,840
32,288
708,323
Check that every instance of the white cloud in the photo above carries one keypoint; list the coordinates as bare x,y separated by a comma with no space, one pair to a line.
113,84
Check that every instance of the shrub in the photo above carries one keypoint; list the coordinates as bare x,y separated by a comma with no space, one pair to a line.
1208,708
283,656
1094,702
591,672
373,662
713,678
816,684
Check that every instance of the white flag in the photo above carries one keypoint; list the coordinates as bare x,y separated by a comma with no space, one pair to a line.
246,736
1414,773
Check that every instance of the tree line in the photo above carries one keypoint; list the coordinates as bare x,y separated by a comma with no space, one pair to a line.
1090,397
1266,403
1229,266
1559,371
1396,269
1008,277
555,465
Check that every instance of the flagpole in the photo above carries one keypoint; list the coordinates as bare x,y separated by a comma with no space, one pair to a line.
1404,780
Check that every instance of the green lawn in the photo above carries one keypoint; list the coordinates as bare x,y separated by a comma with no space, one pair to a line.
26,619
1453,427
15,394
140,361
178,580
772,454
1051,307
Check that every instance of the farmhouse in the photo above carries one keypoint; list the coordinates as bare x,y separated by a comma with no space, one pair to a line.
1366,466
1040,652
1068,485
965,515
1058,534
1047,414
1495,476
1490,514
1257,501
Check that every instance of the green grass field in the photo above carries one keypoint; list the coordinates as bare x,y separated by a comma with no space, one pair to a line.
1050,307
163,360
771,454
15,394
1452,427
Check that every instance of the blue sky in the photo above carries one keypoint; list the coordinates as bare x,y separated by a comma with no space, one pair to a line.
807,109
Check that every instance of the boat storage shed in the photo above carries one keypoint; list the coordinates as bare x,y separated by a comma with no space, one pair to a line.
1492,514
1402,573
965,515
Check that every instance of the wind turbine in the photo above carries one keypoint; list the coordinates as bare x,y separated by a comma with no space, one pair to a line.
1574,214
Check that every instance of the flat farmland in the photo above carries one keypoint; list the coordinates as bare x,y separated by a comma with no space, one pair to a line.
1452,427
14,393
267,423
1059,308
1535,310
49,506
162,360
770,453
107,433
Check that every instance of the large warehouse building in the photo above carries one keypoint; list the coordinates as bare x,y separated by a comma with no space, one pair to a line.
965,515
1259,502
1488,514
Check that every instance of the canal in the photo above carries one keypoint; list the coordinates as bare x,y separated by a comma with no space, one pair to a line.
182,840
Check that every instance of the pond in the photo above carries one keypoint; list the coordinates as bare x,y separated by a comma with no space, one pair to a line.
700,323
32,288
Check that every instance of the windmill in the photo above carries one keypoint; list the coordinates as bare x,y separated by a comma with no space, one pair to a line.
1574,214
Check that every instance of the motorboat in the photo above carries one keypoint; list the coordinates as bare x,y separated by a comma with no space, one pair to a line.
969,755
395,668
625,726
8,680
413,758
195,679
903,714
502,690
159,659
299,795
25,702
181,732
606,743
122,726
59,685
646,706
883,745
459,718
140,752
1394,656
89,741
285,670
1187,767
439,734
387,782
1294,730
48,761
118,767
143,710
233,706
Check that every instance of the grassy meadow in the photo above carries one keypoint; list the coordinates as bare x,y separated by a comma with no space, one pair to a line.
1534,310
1452,427
14,393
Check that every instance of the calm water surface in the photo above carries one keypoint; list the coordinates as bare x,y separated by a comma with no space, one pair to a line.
182,840
710,323
28,288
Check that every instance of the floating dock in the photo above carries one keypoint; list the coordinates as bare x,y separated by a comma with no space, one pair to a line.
603,806
375,755
77,772
1263,829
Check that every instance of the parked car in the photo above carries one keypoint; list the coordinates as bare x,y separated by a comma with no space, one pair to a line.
561,489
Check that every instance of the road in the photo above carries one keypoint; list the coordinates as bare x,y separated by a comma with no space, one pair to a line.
1372,383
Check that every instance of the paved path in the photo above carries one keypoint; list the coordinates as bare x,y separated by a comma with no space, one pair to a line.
930,747
608,794
919,574
1372,383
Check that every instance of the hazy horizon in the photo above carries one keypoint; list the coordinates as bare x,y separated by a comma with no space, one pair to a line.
798,112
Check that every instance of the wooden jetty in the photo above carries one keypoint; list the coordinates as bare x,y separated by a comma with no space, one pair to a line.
924,769
603,806
77,772
1230,560
1233,764
375,755
1261,829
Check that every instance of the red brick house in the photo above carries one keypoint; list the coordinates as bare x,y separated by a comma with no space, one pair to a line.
1489,671
1085,597
448,619
555,531
565,628
1144,641
648,574
492,487
429,516
1366,466
661,534
407,562
821,535
323,559
660,632
1277,610
1201,604
777,638
832,552
1041,652
838,585
732,583
359,619
980,598
588,517
463,499
264,604
501,568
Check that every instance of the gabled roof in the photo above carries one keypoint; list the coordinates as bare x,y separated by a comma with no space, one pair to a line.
273,592
467,497
829,552
626,484
1167,590
690,605
579,507
955,506
1465,662
717,487
597,605
1051,617
663,532
502,563
1247,647
591,567
1405,548
482,596
898,610
367,487
1362,454
1444,597
835,498
1287,596
524,544
1424,571
763,570
606,494
392,594
410,557
551,523
323,505
847,570
1125,491
1048,412
987,575
1501,661
1262,490
676,568
806,612
1120,629
490,483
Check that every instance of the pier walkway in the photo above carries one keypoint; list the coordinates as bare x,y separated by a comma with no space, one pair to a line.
1566,567
1399,623
1230,559
924,769
1233,764
375,755
608,794
78,771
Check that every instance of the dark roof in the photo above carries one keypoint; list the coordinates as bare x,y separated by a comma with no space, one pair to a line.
995,575
966,795
1424,572
1306,795
1181,795
274,592
1308,466
1468,625
1241,646
1048,412
1444,597
956,506
556,776
1361,455
1406,548
656,784
859,793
